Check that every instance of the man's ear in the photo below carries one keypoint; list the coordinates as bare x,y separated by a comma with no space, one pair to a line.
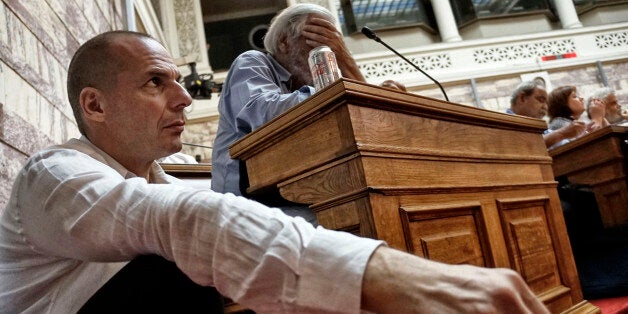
283,44
91,100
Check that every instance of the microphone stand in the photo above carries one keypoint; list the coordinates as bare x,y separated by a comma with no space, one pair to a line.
196,145
370,34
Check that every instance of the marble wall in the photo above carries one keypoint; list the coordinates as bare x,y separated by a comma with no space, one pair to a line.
37,41
197,134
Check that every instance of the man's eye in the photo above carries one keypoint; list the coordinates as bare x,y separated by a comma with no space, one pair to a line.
155,80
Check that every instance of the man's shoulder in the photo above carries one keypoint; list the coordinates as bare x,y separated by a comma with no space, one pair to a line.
253,63
74,154
73,147
69,148
253,56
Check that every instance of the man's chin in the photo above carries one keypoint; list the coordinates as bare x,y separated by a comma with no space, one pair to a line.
174,147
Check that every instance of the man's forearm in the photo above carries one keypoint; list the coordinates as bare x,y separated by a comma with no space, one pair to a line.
552,138
349,67
398,282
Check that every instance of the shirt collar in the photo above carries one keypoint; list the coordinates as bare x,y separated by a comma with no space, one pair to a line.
282,73
156,173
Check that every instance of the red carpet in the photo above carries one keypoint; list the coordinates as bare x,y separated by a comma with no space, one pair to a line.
617,305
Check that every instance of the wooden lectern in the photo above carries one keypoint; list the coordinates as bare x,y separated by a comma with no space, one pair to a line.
443,181
599,160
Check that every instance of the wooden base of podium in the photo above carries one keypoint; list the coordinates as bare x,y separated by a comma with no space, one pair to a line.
440,180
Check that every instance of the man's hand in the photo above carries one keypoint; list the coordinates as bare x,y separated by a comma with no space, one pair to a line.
320,32
393,85
398,282
574,129
597,109
597,113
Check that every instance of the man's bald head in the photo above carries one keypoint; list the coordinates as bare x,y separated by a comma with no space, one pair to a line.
94,65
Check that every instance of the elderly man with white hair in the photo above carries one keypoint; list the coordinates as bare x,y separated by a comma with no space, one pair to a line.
260,86
607,97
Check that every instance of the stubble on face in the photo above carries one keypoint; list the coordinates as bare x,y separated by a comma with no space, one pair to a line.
300,68
540,101
141,105
535,104
294,58
613,109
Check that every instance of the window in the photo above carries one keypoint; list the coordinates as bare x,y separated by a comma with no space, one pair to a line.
380,14
466,11
586,5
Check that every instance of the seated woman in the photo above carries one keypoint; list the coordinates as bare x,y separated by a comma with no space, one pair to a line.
565,107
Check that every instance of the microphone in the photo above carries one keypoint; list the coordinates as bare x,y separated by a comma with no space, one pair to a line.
370,34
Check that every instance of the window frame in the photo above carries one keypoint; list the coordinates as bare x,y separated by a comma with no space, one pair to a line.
597,5
351,27
549,12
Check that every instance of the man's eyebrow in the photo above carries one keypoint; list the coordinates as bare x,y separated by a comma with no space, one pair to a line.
164,73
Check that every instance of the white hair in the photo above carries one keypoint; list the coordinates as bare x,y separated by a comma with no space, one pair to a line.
289,22
600,93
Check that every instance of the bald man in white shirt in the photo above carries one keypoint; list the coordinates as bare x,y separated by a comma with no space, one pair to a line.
81,213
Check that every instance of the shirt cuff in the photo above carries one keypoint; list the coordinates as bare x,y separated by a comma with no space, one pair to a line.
333,282
308,90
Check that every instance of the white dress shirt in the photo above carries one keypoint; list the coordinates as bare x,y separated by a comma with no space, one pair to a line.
76,216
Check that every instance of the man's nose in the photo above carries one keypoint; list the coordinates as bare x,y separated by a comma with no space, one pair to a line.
182,97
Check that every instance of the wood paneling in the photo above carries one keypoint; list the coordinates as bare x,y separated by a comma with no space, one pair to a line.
599,160
449,233
443,181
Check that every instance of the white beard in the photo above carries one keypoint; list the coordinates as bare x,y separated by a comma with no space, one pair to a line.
299,67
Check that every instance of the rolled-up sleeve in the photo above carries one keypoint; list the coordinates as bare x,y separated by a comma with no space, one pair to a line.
253,254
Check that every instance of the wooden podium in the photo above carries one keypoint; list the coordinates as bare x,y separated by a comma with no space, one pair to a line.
443,181
599,160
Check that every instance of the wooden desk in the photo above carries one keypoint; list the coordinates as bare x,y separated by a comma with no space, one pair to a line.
600,161
187,171
199,175
443,181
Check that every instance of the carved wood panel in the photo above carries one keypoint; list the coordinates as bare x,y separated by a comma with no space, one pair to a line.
529,241
451,233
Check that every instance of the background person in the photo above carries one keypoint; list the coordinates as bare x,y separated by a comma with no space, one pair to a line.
260,86
530,99
607,97
565,107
